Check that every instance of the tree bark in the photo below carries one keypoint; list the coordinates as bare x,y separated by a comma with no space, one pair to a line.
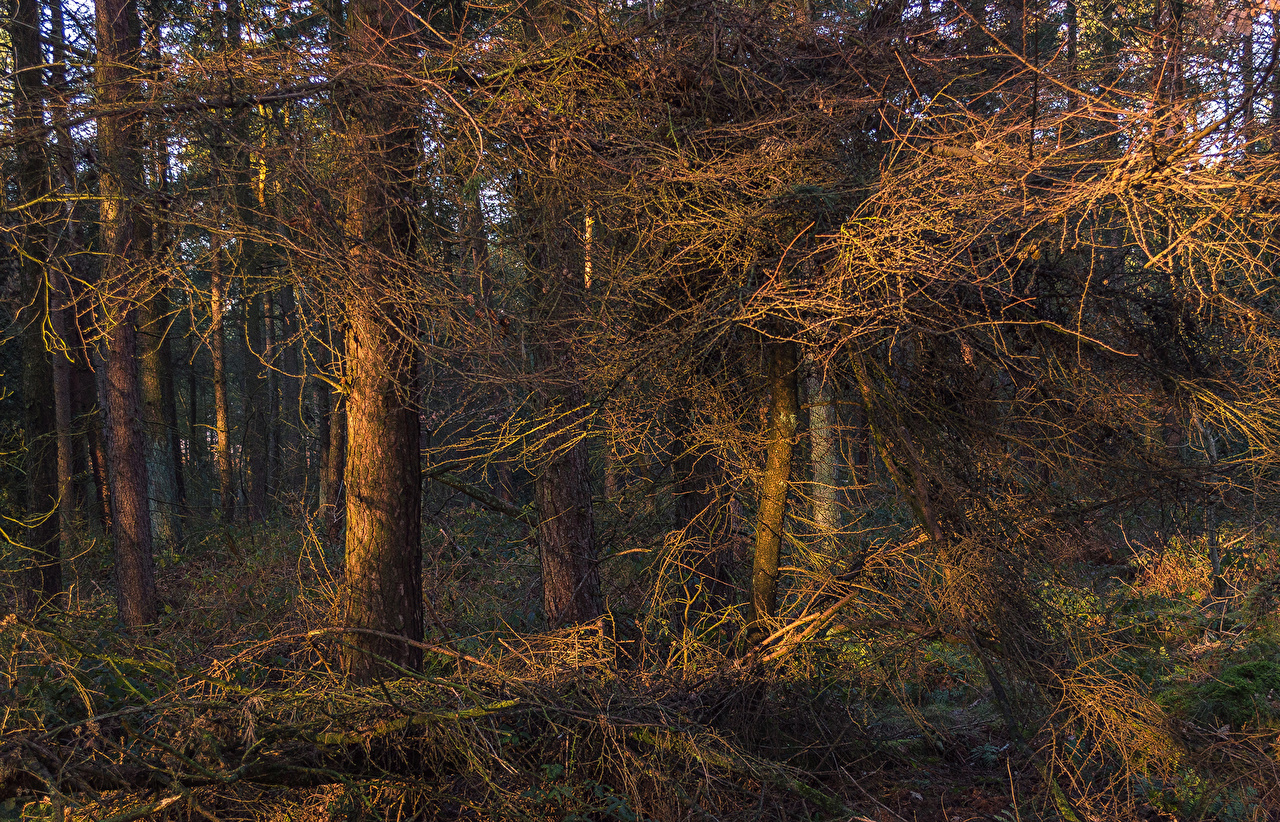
221,407
383,476
784,413
120,181
566,527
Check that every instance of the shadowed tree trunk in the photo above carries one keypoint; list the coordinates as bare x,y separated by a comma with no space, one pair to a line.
44,582
253,436
562,490
120,181
161,420
273,393
784,413
333,504
703,514
566,529
66,273
383,476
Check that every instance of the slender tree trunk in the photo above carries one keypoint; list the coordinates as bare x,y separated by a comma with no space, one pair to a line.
333,495
44,581
383,475
784,413
823,453
256,421
196,430
93,388
293,393
66,270
221,407
160,413
273,394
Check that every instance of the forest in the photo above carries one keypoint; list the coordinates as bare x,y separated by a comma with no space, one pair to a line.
640,410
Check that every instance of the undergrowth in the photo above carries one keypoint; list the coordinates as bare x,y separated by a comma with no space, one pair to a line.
1145,698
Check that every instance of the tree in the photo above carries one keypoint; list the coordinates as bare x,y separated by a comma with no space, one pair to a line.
124,286
383,476
44,581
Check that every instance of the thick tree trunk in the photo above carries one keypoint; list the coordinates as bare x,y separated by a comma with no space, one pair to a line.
221,407
384,554
784,412
44,581
383,476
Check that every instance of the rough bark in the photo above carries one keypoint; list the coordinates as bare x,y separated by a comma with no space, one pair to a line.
65,273
120,180
273,393
784,412
383,477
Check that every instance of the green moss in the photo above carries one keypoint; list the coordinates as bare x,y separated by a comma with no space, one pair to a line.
1240,695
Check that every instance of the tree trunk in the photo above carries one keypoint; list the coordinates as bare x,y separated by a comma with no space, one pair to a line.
383,476
66,272
221,408
823,452
384,554
566,529
784,413
120,178
273,393
45,576
93,388
160,418
293,388
333,501
255,420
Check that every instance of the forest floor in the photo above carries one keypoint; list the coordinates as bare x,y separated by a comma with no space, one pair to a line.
233,708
